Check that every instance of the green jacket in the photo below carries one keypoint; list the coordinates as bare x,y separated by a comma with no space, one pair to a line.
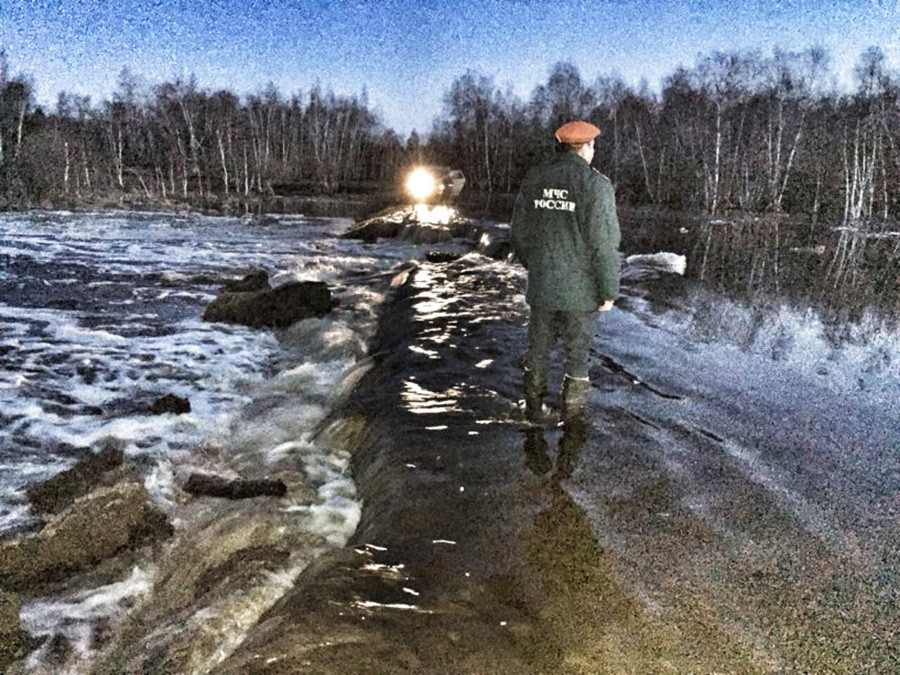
565,231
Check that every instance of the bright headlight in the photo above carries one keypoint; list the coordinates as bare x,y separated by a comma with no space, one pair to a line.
421,184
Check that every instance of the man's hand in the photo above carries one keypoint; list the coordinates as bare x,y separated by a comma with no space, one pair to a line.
606,306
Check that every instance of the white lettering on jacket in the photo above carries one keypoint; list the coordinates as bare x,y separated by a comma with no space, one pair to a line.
554,204
555,199
554,193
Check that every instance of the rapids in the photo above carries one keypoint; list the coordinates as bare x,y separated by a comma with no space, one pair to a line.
100,311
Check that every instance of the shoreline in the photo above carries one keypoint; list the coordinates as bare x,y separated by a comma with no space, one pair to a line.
351,205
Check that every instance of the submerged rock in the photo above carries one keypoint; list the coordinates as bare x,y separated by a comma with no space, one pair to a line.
95,527
170,403
373,230
227,572
425,233
59,649
57,493
208,485
272,308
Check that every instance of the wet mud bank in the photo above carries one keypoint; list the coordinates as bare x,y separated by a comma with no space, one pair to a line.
470,555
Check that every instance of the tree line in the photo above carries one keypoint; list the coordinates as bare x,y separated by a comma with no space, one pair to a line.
177,140
736,131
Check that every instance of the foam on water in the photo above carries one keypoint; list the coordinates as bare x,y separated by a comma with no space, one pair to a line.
71,376
73,616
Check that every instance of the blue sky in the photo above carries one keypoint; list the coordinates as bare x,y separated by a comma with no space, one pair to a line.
407,53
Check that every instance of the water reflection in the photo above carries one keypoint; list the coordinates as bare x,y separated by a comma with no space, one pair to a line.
571,445
422,401
826,300
843,274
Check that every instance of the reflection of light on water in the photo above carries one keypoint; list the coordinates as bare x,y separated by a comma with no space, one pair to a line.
434,215
422,401
434,309
386,571
371,604
425,352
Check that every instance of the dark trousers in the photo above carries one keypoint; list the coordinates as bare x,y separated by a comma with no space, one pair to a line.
574,329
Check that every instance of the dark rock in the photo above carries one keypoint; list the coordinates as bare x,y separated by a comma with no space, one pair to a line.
153,526
95,527
14,640
170,403
207,485
275,308
425,233
255,281
88,373
205,280
441,256
57,493
385,224
498,249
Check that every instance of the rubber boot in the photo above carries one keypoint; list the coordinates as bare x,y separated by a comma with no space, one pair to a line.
575,396
535,390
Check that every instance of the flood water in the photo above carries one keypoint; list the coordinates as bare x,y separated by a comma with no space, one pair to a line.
732,503
100,314
743,466
729,503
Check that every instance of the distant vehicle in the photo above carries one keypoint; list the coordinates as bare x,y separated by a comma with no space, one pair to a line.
434,184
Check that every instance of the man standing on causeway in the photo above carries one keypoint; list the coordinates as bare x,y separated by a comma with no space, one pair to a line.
565,231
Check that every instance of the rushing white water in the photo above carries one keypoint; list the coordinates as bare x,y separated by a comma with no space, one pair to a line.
100,312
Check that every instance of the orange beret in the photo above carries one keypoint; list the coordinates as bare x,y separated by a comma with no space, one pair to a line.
577,132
